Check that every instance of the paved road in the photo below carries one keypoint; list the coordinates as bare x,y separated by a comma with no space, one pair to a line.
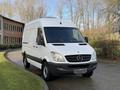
106,77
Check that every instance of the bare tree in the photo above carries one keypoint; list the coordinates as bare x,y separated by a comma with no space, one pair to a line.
6,8
60,8
93,19
30,9
70,4
87,20
78,13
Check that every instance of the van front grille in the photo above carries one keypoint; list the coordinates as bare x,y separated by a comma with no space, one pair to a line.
78,58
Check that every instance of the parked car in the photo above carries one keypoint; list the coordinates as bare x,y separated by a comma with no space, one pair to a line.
58,48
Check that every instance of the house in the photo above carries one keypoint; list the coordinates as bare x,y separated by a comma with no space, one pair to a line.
10,31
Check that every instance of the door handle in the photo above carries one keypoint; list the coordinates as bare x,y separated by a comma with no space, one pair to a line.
33,46
36,47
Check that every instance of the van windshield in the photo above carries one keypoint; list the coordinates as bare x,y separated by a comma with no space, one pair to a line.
63,35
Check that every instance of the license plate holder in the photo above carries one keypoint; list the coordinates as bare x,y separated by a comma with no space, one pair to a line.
80,71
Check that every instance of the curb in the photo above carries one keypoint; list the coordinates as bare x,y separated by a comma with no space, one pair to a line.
11,50
5,55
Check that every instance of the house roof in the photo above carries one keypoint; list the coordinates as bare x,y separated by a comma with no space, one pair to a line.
12,19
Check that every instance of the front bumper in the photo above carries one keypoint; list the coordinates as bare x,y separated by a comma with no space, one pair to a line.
63,69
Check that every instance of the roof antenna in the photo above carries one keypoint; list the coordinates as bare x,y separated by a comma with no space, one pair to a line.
60,22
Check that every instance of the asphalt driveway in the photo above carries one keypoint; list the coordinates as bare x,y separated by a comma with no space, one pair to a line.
106,77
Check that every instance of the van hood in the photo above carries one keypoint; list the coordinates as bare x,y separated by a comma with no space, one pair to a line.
71,48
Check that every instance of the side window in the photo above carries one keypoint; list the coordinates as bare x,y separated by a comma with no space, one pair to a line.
39,39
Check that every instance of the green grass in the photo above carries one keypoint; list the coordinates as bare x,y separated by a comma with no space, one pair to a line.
14,78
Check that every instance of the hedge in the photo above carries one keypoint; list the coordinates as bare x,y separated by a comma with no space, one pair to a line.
107,48
5,47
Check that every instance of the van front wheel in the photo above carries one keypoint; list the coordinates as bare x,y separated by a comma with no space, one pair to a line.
46,72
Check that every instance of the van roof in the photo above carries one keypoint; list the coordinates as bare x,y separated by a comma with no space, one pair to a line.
52,22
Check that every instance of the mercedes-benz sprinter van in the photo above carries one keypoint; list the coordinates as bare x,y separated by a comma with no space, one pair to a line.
58,48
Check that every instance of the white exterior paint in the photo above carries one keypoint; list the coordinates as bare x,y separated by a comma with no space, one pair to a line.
30,34
38,65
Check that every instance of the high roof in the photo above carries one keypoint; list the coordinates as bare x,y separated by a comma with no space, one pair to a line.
51,22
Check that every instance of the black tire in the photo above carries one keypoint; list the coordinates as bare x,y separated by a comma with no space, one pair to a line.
25,62
46,72
88,74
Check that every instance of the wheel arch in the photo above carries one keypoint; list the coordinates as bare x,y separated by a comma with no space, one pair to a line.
45,59
23,53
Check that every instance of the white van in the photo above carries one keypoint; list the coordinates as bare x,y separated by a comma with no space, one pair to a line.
57,47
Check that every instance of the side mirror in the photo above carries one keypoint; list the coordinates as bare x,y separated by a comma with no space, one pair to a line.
42,43
86,39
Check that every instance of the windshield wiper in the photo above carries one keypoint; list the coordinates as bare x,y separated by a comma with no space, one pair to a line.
82,43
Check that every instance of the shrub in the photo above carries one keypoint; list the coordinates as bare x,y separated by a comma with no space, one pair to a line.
5,47
105,42
107,48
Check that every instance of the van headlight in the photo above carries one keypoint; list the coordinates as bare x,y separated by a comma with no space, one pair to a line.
94,57
57,57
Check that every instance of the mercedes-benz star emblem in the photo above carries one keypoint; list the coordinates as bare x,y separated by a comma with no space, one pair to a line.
79,58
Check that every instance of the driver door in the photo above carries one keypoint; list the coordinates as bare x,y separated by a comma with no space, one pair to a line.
40,48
